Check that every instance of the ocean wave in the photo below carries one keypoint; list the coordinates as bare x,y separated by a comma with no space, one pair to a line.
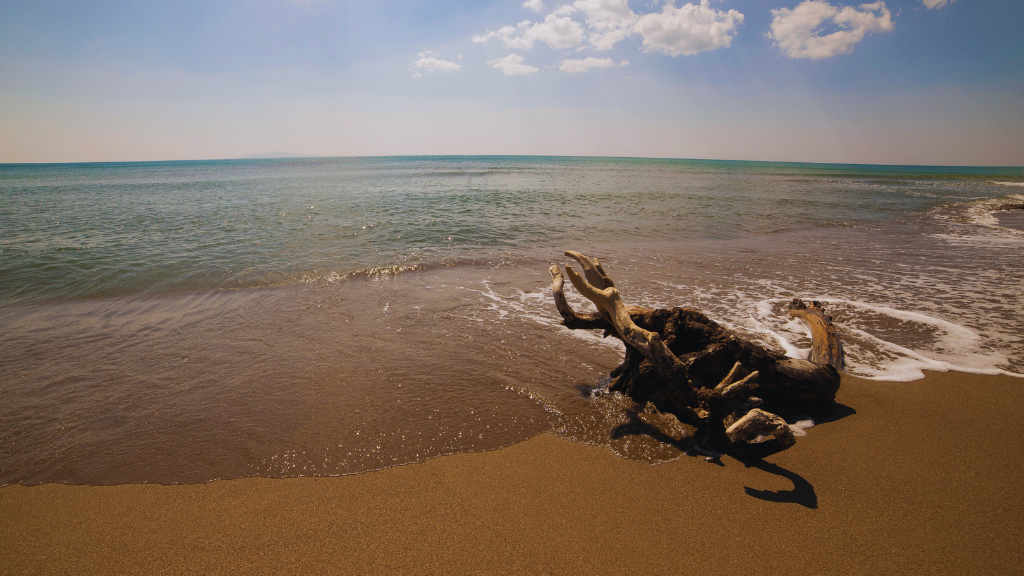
333,277
980,213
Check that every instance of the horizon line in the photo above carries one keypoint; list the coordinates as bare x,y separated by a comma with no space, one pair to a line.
294,157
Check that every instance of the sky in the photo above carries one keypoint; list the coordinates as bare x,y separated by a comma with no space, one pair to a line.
935,82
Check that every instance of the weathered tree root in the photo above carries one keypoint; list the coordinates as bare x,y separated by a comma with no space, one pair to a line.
825,345
687,365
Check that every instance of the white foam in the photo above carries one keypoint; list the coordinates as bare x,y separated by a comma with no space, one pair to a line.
536,306
911,366
801,427
954,330
790,349
1013,239
899,364
981,213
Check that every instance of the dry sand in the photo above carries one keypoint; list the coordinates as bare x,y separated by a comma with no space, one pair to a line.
913,478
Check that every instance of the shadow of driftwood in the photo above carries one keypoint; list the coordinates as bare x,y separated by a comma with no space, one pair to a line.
802,492
637,427
686,445
833,412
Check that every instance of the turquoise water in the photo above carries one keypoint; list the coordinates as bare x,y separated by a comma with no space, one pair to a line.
84,230
187,321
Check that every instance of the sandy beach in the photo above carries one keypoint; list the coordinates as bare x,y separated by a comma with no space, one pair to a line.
909,478
294,287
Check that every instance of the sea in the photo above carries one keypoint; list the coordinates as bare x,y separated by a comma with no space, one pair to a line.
184,322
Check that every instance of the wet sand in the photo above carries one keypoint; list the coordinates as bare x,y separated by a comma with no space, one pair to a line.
911,478
1011,219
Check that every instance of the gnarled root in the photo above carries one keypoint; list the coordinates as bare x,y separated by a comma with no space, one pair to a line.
685,364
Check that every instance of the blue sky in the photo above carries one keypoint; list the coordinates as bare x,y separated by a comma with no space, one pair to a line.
898,81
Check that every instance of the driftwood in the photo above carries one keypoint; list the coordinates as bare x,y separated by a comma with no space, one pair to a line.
825,345
687,365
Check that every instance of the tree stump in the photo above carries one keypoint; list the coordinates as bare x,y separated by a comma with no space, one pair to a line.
687,365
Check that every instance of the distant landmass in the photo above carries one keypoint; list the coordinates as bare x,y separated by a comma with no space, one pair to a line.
278,155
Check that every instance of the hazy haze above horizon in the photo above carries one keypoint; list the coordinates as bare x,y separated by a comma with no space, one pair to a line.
888,82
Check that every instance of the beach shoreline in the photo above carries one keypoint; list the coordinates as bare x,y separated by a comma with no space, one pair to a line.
918,477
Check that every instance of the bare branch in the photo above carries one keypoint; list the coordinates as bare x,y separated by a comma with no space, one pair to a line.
570,318
610,304
744,387
592,270
825,345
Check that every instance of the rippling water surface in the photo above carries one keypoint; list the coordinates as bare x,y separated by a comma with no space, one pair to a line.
188,321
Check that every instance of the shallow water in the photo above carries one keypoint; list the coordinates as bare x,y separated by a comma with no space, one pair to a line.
183,322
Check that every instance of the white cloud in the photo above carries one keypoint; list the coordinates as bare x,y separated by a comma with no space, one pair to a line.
799,31
535,5
512,65
558,31
608,21
505,33
688,29
933,4
429,62
577,66
555,31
